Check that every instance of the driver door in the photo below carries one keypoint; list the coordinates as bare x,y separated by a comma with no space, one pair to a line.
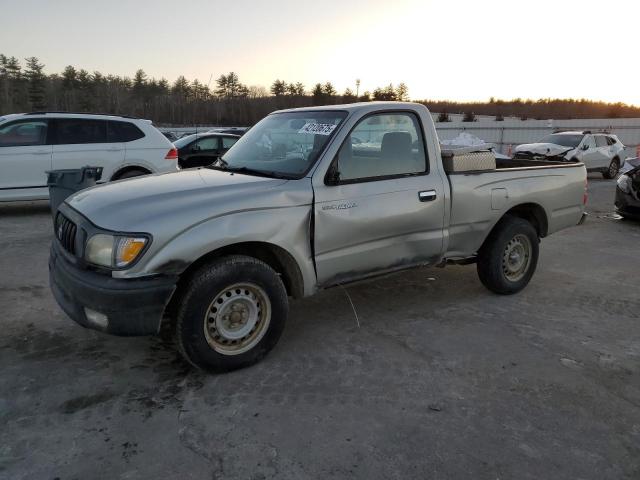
381,209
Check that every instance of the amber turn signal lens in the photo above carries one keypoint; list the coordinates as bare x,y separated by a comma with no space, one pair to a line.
128,250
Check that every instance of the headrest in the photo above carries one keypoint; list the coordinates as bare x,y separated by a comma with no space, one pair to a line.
396,144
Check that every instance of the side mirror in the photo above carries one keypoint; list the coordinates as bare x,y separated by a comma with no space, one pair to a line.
333,174
585,146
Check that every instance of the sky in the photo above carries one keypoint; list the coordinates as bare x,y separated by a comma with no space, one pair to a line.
462,50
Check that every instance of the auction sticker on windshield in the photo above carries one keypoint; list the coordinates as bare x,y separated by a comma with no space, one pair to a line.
318,128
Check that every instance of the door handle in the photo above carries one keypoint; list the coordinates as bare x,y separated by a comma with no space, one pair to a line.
427,195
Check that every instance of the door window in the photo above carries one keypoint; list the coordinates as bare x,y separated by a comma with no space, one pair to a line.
589,143
206,144
77,131
227,142
601,141
382,146
24,133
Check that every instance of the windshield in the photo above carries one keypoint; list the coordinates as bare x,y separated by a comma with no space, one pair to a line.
283,144
564,140
181,142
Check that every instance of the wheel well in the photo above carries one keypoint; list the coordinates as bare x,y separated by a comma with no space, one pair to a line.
276,257
532,213
124,170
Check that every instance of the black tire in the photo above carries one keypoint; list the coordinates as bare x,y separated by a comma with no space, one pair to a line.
135,172
612,170
196,335
493,266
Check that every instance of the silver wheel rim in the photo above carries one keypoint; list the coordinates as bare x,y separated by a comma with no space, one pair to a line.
613,169
516,258
237,318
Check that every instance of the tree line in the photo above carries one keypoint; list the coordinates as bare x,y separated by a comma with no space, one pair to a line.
227,102
27,87
542,109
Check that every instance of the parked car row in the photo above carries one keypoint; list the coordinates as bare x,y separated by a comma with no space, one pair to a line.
33,143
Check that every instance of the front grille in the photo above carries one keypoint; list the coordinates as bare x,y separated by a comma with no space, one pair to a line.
66,233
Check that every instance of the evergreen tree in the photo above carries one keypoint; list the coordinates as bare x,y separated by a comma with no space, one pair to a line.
469,117
329,90
34,74
348,96
86,97
181,87
387,93
318,94
278,87
299,89
69,84
292,90
14,80
443,116
402,92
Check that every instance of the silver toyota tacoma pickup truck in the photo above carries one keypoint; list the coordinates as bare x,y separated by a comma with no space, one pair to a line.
308,199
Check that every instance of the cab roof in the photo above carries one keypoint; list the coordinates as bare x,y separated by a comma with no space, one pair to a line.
360,107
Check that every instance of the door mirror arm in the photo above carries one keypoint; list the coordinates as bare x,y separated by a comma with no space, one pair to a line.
333,174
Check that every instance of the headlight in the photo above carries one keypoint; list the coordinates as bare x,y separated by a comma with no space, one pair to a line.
624,183
114,251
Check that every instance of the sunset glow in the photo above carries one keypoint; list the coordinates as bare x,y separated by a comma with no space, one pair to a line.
465,50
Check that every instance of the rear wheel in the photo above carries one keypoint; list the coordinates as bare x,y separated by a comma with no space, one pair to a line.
508,257
612,170
134,172
231,314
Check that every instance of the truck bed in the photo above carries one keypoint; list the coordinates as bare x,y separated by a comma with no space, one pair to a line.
479,199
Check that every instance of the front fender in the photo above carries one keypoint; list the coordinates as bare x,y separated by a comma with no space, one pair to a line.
286,227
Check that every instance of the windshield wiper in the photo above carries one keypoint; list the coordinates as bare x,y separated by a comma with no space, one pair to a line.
254,171
223,165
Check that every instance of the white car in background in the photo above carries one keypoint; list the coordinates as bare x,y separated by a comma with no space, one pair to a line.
600,152
34,143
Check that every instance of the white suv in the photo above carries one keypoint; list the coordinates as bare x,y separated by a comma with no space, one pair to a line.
600,152
33,143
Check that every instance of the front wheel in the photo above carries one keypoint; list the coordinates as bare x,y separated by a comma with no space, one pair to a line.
508,257
231,314
612,170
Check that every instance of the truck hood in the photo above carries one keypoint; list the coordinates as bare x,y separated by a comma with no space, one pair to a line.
183,198
546,149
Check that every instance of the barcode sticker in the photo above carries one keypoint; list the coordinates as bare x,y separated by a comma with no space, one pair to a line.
318,128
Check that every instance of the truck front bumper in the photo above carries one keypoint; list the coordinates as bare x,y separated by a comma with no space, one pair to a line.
116,306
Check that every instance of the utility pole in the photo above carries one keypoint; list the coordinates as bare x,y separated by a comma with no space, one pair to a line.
357,87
